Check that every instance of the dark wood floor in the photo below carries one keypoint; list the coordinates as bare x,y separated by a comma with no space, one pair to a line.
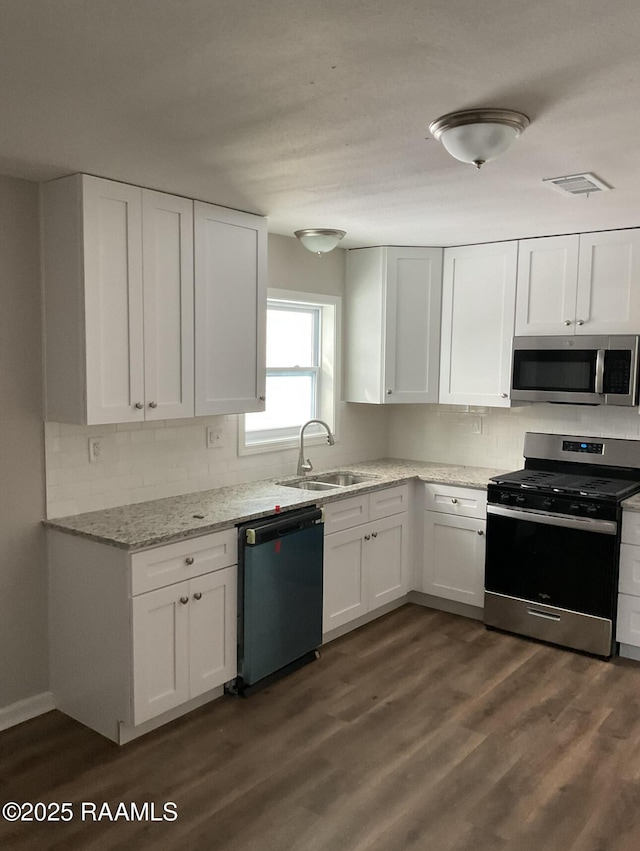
419,731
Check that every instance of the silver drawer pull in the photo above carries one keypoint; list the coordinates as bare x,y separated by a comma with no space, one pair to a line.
367,537
374,534
546,615
184,600
197,595
480,532
453,500
189,560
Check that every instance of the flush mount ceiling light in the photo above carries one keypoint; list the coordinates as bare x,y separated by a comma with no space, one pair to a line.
478,135
320,240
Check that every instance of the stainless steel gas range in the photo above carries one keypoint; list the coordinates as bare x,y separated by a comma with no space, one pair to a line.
553,540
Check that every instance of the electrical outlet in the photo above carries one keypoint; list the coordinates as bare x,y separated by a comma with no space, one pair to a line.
95,449
215,438
476,425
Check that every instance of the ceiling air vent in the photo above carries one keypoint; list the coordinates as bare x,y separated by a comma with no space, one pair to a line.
577,184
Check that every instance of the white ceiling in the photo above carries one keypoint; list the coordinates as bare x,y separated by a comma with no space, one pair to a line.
316,114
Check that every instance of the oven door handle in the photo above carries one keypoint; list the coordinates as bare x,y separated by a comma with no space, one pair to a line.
586,524
599,385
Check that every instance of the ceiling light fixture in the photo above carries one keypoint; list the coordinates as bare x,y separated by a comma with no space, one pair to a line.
478,135
320,240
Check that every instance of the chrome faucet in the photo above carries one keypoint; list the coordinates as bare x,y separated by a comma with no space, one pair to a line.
305,466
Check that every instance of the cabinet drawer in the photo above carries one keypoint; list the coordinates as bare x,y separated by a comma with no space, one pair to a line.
183,560
629,582
449,499
384,503
345,513
628,628
630,527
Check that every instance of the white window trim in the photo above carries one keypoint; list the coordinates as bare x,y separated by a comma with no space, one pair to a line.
331,355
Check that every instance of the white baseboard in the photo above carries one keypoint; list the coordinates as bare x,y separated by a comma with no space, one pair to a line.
23,710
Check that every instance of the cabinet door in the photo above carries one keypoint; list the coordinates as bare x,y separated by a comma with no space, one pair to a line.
230,310
345,594
454,558
547,285
160,651
386,560
411,342
628,624
167,223
112,224
478,303
609,283
213,617
393,299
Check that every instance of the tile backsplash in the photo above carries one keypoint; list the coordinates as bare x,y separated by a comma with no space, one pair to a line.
143,461
449,433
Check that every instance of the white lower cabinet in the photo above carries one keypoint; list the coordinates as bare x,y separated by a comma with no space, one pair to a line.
454,544
366,562
140,636
628,622
183,641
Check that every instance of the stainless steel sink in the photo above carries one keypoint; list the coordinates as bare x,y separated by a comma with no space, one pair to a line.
309,485
342,480
327,481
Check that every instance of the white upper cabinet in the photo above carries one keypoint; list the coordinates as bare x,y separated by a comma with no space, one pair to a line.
547,285
118,302
579,284
167,229
609,283
393,299
230,310
478,314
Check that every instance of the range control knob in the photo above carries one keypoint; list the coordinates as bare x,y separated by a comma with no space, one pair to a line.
504,497
547,503
519,499
592,509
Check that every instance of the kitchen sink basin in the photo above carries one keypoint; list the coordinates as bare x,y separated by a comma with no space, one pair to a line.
309,485
342,480
327,481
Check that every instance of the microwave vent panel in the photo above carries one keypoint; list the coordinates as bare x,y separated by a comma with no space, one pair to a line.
577,184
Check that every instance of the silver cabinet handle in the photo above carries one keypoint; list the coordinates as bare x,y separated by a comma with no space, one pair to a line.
139,405
580,322
389,392
262,398
197,595
189,560
367,537
153,404
480,532
184,600
453,500
504,395
374,534
567,322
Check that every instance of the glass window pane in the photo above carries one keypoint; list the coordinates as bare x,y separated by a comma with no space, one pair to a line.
290,402
291,337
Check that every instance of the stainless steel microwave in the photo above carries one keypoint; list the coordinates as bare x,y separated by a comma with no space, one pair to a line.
576,370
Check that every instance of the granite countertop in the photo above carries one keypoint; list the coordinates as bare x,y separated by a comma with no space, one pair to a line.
162,521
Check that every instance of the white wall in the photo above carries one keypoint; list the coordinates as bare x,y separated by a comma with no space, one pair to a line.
150,461
23,611
445,432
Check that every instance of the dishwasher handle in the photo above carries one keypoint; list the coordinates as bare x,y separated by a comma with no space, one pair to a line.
280,526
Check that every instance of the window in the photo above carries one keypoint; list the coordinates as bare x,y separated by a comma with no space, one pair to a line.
301,381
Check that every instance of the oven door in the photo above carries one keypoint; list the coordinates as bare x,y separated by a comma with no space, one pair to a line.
552,577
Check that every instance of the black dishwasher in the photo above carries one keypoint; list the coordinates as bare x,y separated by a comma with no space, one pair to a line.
279,596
